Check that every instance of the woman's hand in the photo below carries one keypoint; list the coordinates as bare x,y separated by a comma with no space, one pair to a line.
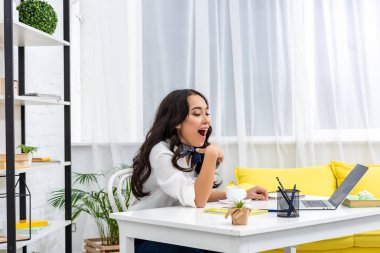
203,184
213,151
257,192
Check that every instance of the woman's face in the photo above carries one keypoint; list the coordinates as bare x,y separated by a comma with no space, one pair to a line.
192,131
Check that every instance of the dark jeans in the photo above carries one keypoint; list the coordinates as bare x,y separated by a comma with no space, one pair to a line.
143,246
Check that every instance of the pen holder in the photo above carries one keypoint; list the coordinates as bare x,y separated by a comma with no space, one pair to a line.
288,203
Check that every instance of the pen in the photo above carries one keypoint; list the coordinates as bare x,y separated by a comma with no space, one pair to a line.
279,182
291,203
274,210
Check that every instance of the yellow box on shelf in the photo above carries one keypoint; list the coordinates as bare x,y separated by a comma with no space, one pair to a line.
41,159
34,223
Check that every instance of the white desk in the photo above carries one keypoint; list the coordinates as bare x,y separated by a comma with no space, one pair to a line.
193,228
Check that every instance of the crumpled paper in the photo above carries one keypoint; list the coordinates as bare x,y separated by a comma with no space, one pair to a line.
239,216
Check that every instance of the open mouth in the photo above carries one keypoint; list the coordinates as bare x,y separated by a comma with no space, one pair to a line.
202,132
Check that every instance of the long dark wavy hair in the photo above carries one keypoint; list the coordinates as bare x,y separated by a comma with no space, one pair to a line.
172,111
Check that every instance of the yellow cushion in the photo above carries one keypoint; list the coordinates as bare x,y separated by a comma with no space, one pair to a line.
347,250
336,243
369,182
368,239
317,180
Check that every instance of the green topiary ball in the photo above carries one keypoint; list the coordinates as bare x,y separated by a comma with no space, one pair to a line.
38,14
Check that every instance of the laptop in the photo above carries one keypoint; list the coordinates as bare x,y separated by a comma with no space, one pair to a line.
339,195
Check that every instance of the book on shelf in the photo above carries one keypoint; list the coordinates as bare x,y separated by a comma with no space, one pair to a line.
43,95
34,223
33,230
41,159
356,201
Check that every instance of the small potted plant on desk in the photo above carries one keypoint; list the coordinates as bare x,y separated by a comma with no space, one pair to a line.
239,213
29,150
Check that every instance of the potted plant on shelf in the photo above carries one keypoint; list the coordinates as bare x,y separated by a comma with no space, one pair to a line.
239,213
29,150
38,14
96,204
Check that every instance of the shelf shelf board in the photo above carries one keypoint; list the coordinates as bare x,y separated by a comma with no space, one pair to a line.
28,100
38,167
24,35
54,226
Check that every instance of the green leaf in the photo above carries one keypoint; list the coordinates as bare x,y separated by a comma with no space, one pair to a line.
239,204
38,14
27,149
86,178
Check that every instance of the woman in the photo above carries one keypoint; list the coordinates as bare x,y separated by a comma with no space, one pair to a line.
176,164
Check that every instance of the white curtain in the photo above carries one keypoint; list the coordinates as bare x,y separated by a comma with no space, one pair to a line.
290,82
287,73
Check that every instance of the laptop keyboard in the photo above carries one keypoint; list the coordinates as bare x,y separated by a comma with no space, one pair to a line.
314,203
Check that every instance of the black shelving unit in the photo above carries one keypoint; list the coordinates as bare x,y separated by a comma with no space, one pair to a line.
24,195
11,195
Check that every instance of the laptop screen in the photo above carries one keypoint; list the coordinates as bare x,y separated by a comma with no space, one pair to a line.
348,184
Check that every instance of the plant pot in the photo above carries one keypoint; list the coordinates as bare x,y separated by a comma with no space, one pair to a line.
30,157
94,245
239,216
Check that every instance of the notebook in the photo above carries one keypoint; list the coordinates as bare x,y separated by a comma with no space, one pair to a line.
339,195
223,210
273,195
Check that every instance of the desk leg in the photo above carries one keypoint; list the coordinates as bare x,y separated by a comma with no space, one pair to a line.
239,245
127,244
290,250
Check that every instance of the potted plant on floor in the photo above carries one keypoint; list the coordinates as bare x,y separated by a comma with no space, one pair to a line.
96,204
239,213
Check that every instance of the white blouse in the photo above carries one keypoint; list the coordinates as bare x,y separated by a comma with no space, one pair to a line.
167,185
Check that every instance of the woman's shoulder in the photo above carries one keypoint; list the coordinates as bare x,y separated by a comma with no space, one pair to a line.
161,147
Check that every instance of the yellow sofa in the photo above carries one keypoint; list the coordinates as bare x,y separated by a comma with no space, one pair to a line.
322,181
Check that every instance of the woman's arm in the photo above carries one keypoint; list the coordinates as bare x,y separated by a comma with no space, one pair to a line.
256,192
205,181
216,196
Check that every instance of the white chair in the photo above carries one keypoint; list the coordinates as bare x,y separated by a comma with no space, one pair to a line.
121,180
